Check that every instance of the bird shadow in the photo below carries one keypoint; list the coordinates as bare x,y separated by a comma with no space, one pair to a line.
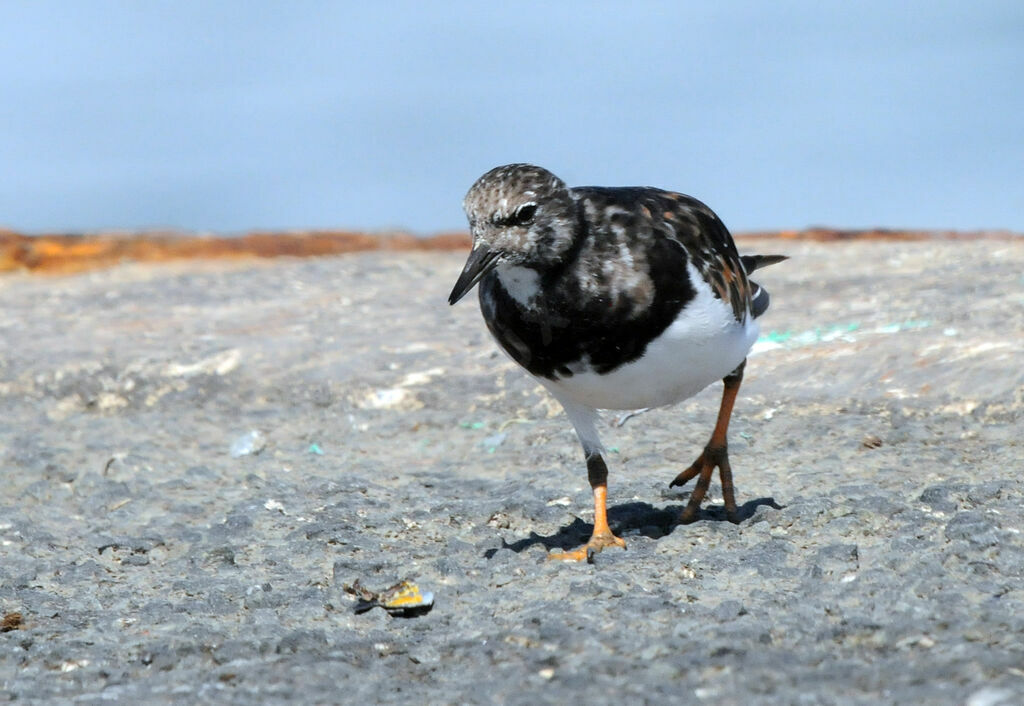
631,518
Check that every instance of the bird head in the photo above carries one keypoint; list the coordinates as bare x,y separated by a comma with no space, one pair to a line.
519,215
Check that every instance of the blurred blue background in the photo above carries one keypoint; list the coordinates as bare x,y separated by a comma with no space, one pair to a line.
227,116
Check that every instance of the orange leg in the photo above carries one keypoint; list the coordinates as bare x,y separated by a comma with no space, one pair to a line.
715,455
602,535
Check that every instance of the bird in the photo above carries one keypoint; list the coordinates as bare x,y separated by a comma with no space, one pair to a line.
614,298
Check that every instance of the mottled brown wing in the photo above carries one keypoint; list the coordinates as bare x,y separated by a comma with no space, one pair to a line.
711,249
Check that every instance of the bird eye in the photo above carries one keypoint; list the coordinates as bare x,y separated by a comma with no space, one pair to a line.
520,217
524,214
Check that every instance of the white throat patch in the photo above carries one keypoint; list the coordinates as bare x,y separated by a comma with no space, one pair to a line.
522,283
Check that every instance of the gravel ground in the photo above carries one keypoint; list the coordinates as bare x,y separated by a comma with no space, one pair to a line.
876,447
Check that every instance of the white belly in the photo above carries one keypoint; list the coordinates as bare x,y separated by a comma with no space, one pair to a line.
703,345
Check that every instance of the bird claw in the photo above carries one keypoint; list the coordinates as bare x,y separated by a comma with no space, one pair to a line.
711,457
589,550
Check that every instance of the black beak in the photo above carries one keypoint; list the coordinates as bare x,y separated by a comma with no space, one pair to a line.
481,261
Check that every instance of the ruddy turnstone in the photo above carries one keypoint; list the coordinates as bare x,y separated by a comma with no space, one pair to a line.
614,298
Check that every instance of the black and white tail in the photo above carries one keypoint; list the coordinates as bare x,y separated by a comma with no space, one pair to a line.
759,298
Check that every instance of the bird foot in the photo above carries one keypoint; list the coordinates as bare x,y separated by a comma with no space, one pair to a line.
598,541
711,458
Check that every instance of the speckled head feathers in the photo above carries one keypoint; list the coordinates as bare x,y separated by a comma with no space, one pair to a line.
519,215
521,210
501,190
